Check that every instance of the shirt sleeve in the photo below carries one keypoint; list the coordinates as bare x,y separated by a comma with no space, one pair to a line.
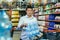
37,23
20,23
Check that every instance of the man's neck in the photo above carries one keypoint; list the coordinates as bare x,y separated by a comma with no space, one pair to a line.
29,16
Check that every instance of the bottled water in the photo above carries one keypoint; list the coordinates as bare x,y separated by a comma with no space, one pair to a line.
5,26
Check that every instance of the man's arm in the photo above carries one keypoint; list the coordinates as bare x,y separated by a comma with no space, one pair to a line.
21,23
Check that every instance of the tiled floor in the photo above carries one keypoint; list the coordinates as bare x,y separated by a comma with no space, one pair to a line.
16,35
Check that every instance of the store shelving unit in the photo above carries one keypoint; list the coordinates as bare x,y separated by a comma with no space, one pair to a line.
50,20
15,18
44,9
48,14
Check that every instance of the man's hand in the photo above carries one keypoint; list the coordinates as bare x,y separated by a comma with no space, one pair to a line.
14,28
23,25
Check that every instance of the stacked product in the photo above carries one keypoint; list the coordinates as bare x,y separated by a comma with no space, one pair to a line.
15,18
41,17
36,11
57,26
51,25
57,4
41,10
57,18
51,17
41,23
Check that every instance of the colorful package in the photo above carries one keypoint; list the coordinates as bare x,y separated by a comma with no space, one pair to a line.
51,17
51,25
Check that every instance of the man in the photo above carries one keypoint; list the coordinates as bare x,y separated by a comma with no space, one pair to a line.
24,21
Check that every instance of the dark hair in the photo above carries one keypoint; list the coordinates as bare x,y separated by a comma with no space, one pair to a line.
29,6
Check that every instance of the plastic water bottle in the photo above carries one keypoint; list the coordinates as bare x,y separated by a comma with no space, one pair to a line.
5,26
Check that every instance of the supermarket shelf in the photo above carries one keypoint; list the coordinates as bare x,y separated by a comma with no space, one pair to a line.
46,27
19,9
55,13
56,20
49,14
50,20
58,7
15,18
14,21
53,20
42,4
15,9
50,3
56,30
52,8
5,9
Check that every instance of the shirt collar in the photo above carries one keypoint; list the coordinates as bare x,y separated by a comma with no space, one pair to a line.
30,17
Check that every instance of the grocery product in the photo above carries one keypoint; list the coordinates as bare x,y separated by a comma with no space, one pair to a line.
14,24
5,26
41,17
54,1
48,6
46,23
48,12
41,28
57,10
51,25
57,18
46,17
42,23
15,12
57,26
15,18
51,17
36,11
41,13
57,4
41,10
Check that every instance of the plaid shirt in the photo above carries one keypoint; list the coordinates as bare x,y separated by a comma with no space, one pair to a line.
32,27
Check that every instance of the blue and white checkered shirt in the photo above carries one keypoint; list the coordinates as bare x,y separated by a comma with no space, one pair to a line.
32,27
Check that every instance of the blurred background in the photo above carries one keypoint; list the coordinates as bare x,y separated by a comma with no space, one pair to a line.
47,13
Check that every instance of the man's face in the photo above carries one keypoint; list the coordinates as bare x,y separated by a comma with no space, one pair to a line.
29,12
